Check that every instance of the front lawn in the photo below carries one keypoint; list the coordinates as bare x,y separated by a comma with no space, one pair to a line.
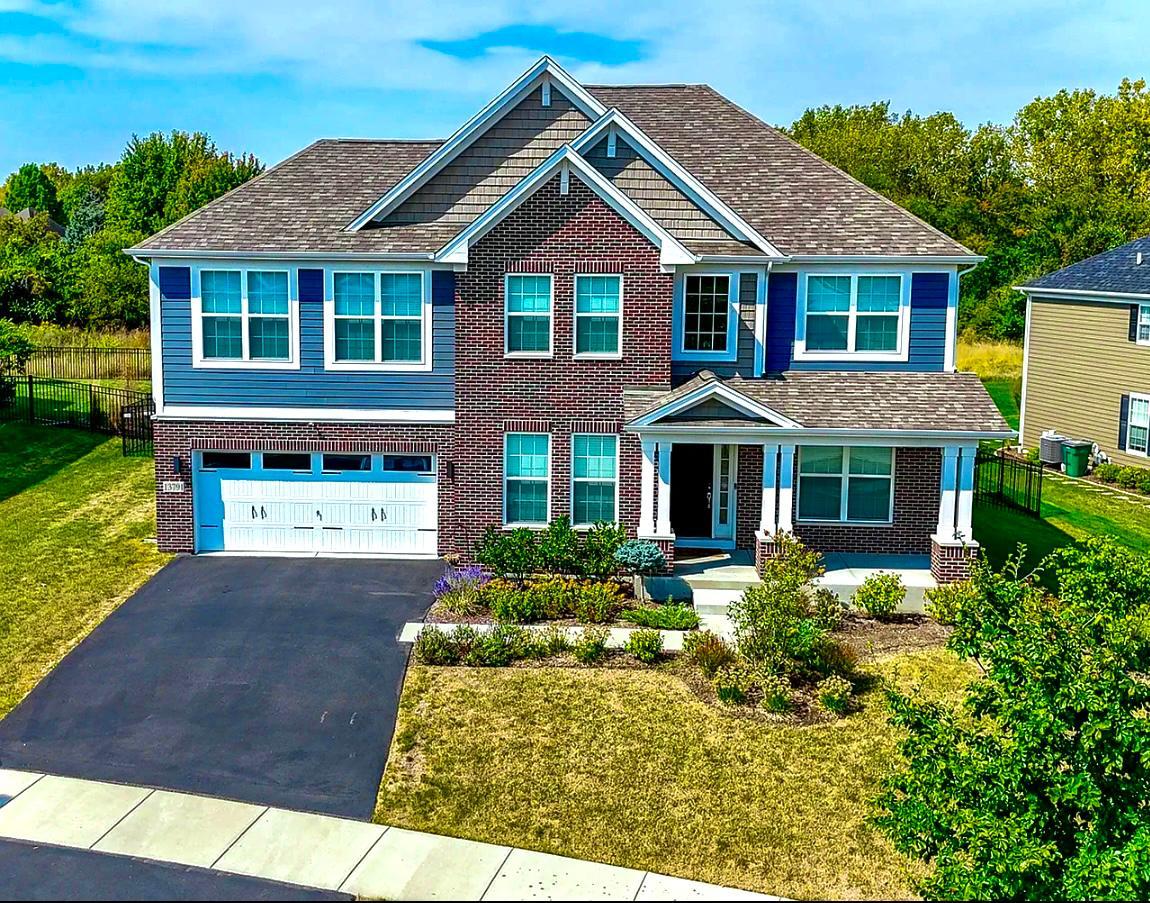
74,519
630,767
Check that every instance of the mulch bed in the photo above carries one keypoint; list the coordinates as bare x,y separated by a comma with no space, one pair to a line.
899,633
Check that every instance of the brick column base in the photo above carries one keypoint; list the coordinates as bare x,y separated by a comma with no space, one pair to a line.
667,547
951,561
765,548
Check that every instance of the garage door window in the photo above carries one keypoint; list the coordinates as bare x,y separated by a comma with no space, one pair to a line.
287,461
527,478
215,460
407,463
345,463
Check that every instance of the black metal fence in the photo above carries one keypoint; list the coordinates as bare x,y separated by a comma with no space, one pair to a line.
56,402
1008,482
73,362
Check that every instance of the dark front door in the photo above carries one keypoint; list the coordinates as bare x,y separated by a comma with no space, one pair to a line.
692,472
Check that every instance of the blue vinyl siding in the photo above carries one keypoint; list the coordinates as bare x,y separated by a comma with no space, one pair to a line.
928,298
311,386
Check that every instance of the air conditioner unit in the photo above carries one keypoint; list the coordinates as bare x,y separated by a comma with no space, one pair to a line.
1050,447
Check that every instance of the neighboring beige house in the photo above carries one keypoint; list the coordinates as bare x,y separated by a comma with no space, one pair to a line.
1086,370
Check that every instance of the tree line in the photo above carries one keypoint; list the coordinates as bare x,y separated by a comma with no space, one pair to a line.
65,264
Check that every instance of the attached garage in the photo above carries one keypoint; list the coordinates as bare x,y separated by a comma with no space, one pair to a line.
383,504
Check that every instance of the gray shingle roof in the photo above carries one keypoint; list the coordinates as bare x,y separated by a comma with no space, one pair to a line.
1116,270
800,203
856,400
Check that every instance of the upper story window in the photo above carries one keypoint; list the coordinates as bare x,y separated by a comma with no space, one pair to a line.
858,316
527,315
598,316
378,321
706,313
243,318
854,484
1142,331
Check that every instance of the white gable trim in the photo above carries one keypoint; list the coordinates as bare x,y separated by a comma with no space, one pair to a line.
614,121
546,71
722,392
672,253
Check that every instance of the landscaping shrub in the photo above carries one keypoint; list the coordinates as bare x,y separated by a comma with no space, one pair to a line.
640,557
733,684
1131,477
880,595
513,603
435,647
557,549
511,553
459,590
708,650
591,645
943,602
597,603
827,608
793,557
646,645
832,656
672,616
551,641
600,548
772,626
835,694
498,647
776,691
1107,473
554,597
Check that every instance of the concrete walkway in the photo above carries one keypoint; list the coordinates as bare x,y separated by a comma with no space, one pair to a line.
315,851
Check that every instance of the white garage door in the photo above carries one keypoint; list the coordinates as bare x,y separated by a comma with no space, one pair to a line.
386,507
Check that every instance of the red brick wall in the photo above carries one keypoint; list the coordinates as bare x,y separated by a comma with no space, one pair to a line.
179,438
749,495
561,235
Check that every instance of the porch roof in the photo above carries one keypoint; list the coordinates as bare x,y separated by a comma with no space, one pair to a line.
835,400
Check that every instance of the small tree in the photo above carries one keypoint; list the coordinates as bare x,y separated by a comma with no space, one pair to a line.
1035,787
29,186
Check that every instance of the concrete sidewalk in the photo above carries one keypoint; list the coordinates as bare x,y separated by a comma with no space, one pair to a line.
315,851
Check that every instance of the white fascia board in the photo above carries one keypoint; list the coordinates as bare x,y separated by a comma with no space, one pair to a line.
671,252
1072,294
734,398
307,415
678,175
844,436
476,126
192,254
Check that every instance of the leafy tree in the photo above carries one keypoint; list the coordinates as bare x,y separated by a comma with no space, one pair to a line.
108,288
29,186
31,269
85,183
15,349
1035,787
87,217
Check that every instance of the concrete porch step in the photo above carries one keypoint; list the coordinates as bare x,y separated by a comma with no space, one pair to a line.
715,601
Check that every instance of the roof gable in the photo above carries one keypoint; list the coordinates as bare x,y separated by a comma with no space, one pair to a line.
1124,270
707,399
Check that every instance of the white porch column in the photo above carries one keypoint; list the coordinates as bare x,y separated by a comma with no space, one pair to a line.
663,525
786,488
768,522
647,487
948,489
965,504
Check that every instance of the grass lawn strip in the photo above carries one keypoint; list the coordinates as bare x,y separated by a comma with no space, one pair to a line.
630,767
75,518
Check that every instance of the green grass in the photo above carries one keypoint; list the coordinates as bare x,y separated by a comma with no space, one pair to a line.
75,517
1006,394
630,767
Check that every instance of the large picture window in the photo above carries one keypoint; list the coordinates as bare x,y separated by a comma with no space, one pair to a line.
526,478
245,317
853,314
379,320
854,484
706,313
527,314
598,315
594,476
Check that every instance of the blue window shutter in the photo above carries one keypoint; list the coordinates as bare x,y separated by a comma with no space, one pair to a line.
175,283
311,285
1133,323
442,287
1123,421
781,298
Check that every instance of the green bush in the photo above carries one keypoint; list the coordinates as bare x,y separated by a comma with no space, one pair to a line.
772,626
827,608
733,684
1144,483
508,553
792,557
832,656
640,557
944,602
558,549
776,691
554,597
835,694
880,595
435,647
672,616
708,650
597,603
646,645
1130,477
513,603
600,549
498,647
591,645
1107,473
548,642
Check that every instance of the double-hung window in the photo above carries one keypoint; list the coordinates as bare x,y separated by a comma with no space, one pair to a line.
1138,429
707,315
378,321
527,478
853,314
1142,327
846,484
528,309
245,318
598,316
594,476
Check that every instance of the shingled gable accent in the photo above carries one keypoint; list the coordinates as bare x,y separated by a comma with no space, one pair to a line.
704,390
567,163
543,74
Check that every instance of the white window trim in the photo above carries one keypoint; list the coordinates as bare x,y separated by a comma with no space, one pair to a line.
507,315
589,355
1143,318
680,351
427,361
199,362
580,524
511,525
901,353
1136,396
845,475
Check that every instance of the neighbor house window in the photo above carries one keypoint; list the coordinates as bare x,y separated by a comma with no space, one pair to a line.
245,316
528,314
853,313
598,315
526,478
1138,430
1143,331
706,313
846,484
594,474
378,319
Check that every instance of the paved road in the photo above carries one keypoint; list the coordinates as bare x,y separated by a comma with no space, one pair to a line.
267,680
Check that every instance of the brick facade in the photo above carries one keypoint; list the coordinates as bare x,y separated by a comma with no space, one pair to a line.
951,561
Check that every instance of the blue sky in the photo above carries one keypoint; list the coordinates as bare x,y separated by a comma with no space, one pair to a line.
269,76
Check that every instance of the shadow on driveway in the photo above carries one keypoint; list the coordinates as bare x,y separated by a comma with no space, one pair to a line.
267,680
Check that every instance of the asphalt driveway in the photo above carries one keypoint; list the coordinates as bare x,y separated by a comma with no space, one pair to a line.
266,680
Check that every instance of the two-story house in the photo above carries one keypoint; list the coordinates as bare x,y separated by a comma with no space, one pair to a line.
635,304
1086,370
